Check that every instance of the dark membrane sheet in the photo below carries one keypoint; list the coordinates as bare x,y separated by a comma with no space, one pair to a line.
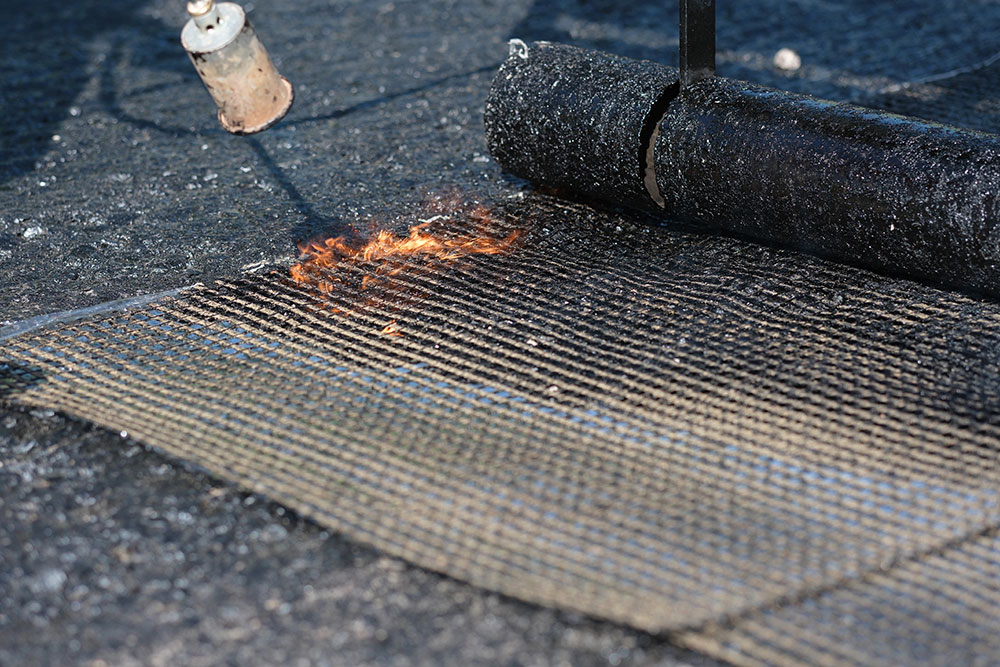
664,429
774,354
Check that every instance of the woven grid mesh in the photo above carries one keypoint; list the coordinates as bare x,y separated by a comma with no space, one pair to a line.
772,458
668,430
941,609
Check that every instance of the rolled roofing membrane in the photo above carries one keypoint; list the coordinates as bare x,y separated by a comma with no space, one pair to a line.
898,195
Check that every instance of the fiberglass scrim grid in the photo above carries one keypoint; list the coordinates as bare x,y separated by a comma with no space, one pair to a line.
667,431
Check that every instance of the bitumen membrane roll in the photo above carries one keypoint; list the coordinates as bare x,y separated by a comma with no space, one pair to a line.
826,433
898,195
577,119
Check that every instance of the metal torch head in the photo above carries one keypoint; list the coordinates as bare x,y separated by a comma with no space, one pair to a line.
235,67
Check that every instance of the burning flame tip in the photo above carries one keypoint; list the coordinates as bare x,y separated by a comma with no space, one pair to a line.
391,329
393,254
386,247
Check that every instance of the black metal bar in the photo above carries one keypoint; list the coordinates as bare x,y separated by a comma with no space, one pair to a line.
697,37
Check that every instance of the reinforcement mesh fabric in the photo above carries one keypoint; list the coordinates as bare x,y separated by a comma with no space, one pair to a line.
755,451
939,609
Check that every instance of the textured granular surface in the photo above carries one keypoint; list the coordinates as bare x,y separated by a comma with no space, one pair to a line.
583,126
889,193
668,431
791,462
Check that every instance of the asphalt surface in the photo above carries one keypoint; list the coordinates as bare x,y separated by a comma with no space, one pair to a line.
114,555
116,181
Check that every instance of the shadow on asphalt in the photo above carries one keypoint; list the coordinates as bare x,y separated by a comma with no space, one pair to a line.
45,67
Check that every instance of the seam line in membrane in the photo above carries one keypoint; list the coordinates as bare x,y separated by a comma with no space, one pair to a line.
797,597
65,316
941,76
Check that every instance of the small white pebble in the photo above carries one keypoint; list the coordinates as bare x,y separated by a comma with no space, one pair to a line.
32,232
49,581
787,60
56,137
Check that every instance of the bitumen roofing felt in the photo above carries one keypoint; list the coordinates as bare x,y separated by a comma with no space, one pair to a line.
116,181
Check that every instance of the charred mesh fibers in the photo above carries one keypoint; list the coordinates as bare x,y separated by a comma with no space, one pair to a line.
893,194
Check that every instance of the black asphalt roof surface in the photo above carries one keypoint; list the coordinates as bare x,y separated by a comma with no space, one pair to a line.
117,181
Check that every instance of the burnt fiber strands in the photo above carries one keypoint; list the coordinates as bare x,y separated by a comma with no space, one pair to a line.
893,194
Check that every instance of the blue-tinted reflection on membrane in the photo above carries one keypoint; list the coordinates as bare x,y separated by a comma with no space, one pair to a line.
394,397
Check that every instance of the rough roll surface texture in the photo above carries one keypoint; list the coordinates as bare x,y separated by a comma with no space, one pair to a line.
894,194
898,195
114,552
575,119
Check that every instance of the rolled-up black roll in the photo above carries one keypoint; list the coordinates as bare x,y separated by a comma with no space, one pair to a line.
576,120
894,194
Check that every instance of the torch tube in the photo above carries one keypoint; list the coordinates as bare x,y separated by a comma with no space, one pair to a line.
235,68
893,194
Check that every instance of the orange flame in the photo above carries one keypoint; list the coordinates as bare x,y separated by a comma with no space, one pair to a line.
392,253
440,239
391,329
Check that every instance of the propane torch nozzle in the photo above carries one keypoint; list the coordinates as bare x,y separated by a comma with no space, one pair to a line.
235,67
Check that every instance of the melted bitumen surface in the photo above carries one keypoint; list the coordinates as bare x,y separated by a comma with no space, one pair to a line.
116,181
